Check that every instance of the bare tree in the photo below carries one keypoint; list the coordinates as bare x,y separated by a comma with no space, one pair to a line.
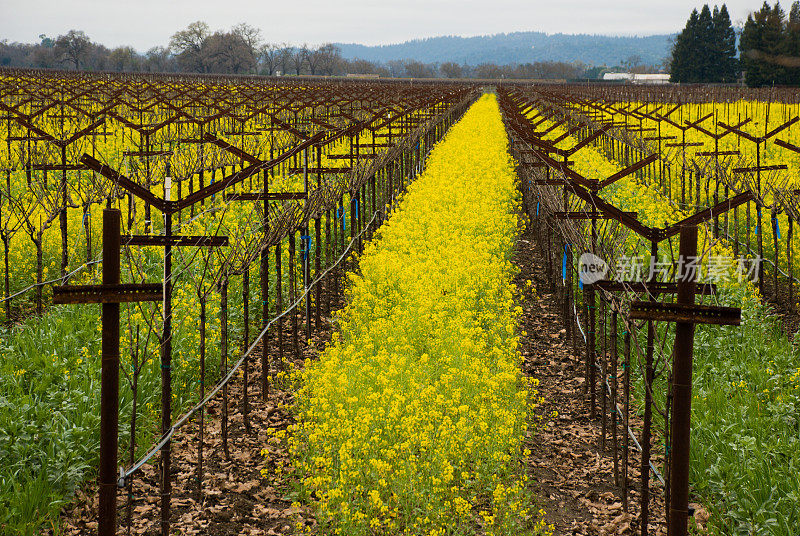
489,71
73,47
298,58
123,59
228,53
359,66
396,68
451,69
327,59
416,69
187,45
249,34
271,57
44,57
159,60
632,62
285,58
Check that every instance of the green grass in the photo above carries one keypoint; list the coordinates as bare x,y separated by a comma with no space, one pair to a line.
50,370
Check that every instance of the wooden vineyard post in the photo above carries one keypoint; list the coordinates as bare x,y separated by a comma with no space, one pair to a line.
109,379
318,247
306,245
264,279
166,365
686,314
110,294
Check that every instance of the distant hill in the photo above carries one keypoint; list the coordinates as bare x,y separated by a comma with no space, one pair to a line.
519,47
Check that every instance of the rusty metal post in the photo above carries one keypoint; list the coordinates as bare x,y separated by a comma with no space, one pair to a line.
293,293
590,344
353,214
338,237
759,225
603,375
306,243
614,393
566,279
318,249
626,419
549,253
389,174
223,365
328,286
201,413
279,301
166,367
648,403
264,276
362,217
776,250
245,344
109,379
342,241
373,196
682,391
790,270
63,213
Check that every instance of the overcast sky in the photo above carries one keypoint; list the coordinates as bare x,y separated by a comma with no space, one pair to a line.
146,23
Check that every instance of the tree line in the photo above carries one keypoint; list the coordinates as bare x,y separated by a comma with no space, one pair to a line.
769,48
242,50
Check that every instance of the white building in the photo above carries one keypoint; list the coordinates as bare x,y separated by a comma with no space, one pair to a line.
633,78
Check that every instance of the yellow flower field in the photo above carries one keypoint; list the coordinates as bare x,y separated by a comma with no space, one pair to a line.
412,420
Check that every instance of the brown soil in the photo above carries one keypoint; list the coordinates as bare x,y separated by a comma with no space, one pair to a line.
572,477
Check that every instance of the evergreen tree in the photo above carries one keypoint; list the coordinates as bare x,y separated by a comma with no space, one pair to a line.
705,51
704,48
763,45
792,45
684,65
726,66
775,44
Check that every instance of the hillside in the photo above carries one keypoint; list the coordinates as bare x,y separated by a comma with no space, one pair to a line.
519,47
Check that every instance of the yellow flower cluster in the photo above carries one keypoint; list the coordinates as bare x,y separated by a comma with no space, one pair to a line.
652,209
412,420
757,119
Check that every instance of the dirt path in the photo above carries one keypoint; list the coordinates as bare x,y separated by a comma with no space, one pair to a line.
574,481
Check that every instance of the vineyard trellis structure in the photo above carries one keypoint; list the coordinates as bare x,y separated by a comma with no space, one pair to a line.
241,169
645,131
198,149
